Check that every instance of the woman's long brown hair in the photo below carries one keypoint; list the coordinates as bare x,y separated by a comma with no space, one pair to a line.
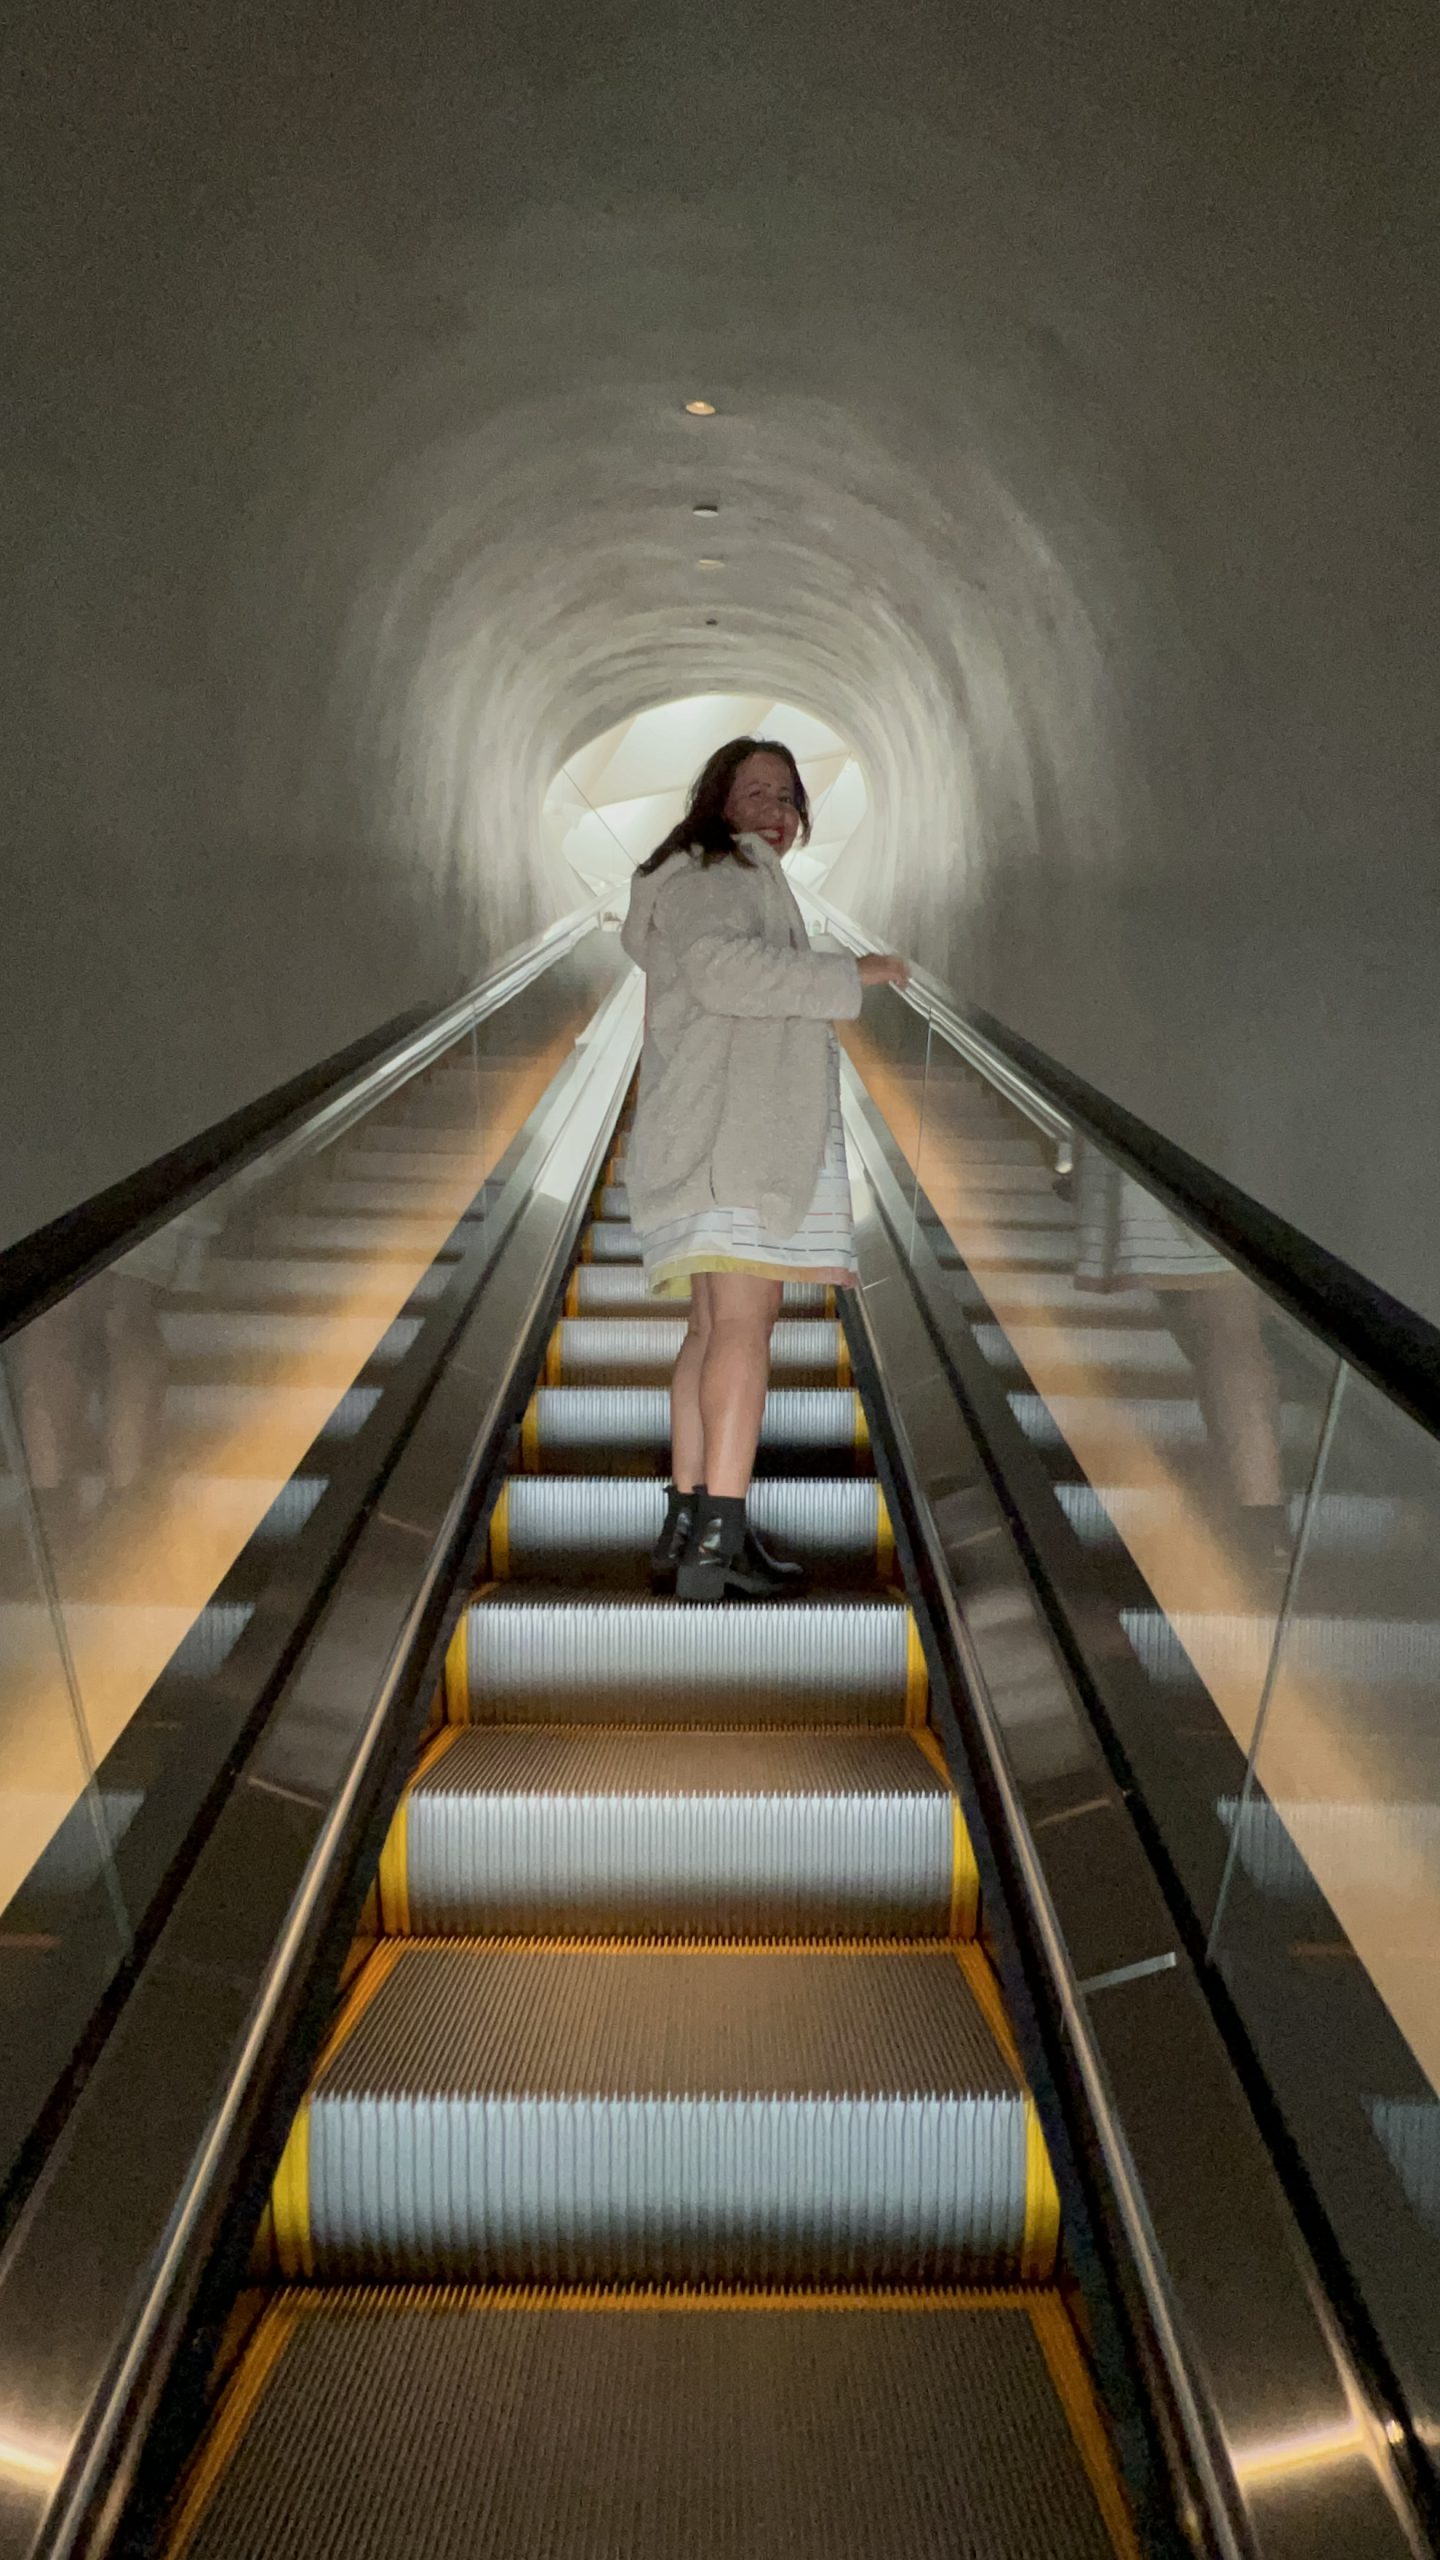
705,824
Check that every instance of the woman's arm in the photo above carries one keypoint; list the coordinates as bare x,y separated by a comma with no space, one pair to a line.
729,967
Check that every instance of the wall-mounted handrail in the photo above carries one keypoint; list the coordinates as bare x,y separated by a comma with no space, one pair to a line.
1386,1341
926,996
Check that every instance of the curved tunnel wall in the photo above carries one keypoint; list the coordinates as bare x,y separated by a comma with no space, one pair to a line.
1075,456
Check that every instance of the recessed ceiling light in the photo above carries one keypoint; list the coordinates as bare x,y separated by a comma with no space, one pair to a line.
709,564
699,408
705,507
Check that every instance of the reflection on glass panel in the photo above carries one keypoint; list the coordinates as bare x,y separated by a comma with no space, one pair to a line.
1329,1934
166,1405
1174,1412
44,1767
183,1417
60,1927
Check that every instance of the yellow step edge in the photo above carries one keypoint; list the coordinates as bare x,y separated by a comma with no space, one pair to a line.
320,2301
500,1537
457,1672
885,1560
553,1374
938,1949
272,2336
917,1677
530,1438
457,1659
1041,2241
290,2201
392,1877
860,1437
682,1724
290,2190
964,1872
1065,2363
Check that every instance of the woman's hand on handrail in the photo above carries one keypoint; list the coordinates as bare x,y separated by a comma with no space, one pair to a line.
884,969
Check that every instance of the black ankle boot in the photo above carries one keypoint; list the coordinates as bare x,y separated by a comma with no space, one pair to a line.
680,1515
725,1560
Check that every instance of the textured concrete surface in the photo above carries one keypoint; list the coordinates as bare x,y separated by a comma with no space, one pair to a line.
1076,381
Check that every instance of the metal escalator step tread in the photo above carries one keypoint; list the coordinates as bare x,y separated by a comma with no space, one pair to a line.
610,1241
578,1526
526,2112
642,1351
566,1425
554,2428
522,1660
613,1201
618,1288
559,1831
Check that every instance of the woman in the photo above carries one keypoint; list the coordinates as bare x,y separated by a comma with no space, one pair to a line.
737,1164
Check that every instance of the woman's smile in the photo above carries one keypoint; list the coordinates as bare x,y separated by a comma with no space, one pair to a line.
761,801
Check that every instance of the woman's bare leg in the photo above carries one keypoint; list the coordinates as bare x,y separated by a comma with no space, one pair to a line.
135,1385
734,1376
687,1431
1221,1336
52,1360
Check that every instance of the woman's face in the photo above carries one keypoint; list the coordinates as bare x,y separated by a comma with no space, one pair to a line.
762,801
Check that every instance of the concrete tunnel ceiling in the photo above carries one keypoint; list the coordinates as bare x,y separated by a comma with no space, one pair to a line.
1072,432
545,583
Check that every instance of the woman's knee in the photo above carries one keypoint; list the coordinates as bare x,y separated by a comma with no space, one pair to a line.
742,1309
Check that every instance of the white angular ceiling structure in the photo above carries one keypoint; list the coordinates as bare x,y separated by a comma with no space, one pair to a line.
613,800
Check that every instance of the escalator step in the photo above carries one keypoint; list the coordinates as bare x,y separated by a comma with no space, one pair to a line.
566,1426
766,2115
618,1288
643,1351
610,1242
613,1201
779,2427
523,1660
575,1527
557,1832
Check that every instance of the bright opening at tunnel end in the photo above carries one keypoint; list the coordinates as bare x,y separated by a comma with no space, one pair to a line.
615,798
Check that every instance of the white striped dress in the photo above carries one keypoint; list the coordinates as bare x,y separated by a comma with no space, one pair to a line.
1124,1237
719,1239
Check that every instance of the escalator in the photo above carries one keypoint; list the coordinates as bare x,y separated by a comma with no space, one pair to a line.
668,2176
668,2180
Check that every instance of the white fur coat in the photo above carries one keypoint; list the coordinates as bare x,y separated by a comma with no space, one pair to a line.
734,1076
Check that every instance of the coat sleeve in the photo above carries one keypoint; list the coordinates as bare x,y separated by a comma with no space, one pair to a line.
730,968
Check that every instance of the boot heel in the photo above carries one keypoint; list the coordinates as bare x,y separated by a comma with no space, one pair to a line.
700,1582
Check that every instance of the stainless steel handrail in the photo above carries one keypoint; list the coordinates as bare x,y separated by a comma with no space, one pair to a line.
329,1120
926,996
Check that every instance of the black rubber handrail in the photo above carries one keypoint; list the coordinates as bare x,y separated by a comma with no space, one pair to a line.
1384,1340
45,1266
